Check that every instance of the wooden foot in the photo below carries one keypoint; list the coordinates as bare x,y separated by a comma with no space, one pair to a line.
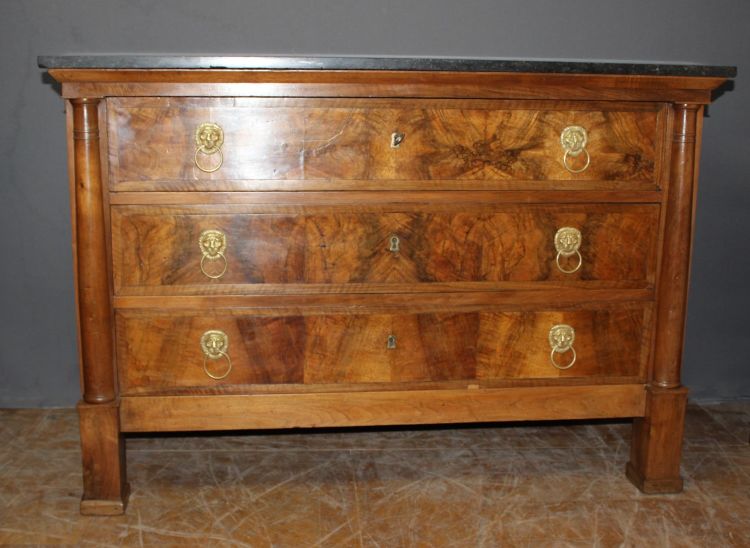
105,491
656,446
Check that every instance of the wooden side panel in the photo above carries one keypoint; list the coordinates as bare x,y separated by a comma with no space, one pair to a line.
158,351
156,249
340,143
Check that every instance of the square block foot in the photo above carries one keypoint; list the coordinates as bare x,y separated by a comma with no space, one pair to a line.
653,486
106,507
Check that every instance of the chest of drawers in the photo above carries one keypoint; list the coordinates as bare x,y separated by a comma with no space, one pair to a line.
277,243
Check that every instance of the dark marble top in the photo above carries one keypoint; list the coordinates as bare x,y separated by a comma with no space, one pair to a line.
382,63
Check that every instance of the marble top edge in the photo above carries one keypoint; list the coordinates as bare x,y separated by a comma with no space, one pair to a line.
187,62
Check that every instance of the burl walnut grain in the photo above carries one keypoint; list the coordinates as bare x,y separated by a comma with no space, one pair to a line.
327,144
161,352
155,248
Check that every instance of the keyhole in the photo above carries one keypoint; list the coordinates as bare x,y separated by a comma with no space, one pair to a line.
394,244
391,342
396,139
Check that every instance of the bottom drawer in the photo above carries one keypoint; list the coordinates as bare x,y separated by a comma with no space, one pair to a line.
160,351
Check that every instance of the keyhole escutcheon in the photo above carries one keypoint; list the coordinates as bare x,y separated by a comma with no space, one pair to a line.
393,244
391,342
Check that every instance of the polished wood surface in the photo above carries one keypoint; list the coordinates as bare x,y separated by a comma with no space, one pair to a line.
336,144
330,325
157,247
105,489
569,194
162,351
231,83
654,464
177,413
521,296
656,446
672,302
93,282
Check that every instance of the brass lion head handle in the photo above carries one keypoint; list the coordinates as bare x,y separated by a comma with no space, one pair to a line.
567,243
209,138
573,140
215,346
213,245
561,338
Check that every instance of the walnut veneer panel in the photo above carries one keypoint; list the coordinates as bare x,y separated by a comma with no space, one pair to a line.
293,144
159,351
156,248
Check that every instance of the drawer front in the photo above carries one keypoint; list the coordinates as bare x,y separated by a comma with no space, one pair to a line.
324,144
160,351
168,249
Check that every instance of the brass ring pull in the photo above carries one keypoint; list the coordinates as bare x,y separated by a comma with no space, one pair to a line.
213,245
209,138
561,338
570,154
562,367
208,169
573,140
223,270
572,270
567,244
215,346
223,375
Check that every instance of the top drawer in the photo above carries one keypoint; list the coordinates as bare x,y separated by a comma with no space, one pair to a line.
339,144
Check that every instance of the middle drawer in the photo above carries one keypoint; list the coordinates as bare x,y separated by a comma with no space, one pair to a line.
255,248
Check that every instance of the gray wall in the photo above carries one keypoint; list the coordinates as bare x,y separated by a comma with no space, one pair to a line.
38,350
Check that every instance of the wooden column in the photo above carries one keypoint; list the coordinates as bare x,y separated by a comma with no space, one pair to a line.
656,447
673,282
102,444
93,286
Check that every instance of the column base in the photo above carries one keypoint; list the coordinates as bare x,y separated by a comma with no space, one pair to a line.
653,486
105,490
656,446
102,507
